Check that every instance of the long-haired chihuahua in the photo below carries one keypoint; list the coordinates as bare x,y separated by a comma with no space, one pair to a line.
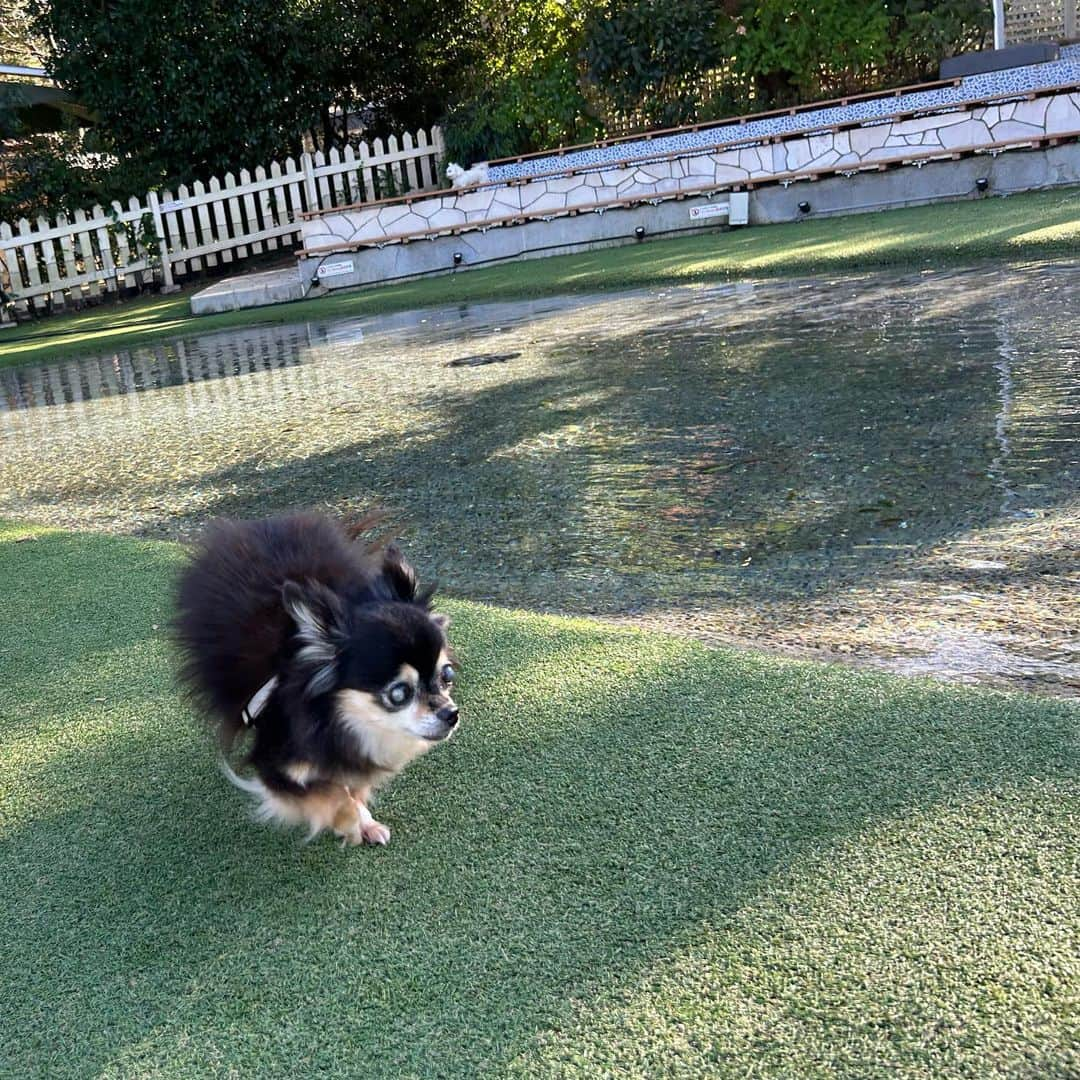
325,650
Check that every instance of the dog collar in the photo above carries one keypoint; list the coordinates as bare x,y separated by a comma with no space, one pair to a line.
251,710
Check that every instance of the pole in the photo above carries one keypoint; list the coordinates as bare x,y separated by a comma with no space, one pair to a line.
167,285
999,24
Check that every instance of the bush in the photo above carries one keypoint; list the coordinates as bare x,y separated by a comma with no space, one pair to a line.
481,128
526,90
800,50
648,57
666,62
535,110
923,32
46,175
11,101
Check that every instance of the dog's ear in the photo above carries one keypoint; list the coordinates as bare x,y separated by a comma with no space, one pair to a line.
319,617
401,580
399,575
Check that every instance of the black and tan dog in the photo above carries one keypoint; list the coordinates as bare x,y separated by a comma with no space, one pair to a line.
327,651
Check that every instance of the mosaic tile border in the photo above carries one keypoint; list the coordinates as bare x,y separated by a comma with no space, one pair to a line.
857,147
972,88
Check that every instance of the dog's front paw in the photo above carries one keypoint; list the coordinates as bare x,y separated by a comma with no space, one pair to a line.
375,832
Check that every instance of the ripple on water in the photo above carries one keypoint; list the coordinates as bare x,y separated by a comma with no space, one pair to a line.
882,467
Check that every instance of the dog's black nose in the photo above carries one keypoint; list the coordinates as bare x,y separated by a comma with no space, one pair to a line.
448,715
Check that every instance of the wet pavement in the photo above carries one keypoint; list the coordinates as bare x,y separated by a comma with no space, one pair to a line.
883,469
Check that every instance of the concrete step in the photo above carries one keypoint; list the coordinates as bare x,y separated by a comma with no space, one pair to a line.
250,290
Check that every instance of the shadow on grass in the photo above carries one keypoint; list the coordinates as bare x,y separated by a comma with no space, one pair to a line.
608,794
589,487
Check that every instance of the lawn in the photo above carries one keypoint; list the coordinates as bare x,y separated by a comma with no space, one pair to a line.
640,857
1032,226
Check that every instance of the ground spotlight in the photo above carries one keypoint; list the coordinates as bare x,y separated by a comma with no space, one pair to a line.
639,232
804,207
457,258
982,183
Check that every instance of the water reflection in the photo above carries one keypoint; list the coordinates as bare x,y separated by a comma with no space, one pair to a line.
873,467
184,361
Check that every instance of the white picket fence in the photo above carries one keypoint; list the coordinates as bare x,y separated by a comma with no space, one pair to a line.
50,265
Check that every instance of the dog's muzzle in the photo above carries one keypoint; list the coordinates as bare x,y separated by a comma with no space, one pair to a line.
447,717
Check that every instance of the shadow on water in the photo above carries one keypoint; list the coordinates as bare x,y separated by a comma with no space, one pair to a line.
813,465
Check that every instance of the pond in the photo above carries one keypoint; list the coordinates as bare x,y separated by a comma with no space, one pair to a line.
880,468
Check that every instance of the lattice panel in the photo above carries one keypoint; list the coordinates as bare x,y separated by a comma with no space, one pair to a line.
1035,20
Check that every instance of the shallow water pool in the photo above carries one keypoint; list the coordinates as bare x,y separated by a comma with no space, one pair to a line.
881,468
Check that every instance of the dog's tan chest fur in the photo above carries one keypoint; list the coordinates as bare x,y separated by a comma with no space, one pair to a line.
388,746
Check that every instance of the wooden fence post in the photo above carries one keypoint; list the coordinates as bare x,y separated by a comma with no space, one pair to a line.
163,245
7,281
438,144
307,164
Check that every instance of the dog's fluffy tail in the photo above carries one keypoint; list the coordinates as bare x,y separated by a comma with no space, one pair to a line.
268,810
252,787
231,624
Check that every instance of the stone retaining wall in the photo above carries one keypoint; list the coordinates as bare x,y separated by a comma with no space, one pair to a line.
857,147
973,89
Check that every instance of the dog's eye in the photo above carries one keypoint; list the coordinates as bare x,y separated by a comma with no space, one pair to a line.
447,674
399,694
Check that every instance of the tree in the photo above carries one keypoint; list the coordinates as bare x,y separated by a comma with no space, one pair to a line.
395,62
524,89
19,44
799,50
648,56
198,87
923,32
186,88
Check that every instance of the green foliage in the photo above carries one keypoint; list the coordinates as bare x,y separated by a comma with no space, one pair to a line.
482,128
529,111
56,173
922,32
11,101
140,236
647,57
801,49
393,61
48,175
197,87
187,88
526,91
18,42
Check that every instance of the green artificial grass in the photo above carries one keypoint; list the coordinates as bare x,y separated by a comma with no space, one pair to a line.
1033,226
639,857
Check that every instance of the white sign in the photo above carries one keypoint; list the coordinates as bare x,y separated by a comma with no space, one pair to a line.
708,210
335,269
